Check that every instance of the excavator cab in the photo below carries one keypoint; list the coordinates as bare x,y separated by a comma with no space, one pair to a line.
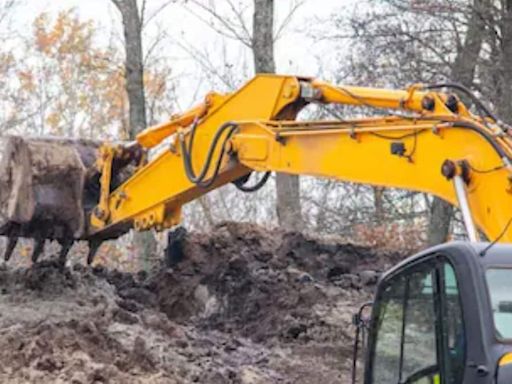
444,316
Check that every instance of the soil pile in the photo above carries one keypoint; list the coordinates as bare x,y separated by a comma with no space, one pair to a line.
244,305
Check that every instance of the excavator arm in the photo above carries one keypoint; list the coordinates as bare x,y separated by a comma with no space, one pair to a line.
423,140
431,144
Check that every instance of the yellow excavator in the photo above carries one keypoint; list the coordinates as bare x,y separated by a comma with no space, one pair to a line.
442,316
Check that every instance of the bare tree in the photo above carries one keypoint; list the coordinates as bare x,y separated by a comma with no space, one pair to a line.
229,19
134,75
463,71
134,69
497,68
287,186
398,42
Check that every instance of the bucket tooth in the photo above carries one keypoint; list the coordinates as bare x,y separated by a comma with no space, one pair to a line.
65,247
11,244
38,249
94,245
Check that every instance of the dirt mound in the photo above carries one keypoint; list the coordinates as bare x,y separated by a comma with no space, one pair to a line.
244,305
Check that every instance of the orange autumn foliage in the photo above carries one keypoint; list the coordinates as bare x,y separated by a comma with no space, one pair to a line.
76,85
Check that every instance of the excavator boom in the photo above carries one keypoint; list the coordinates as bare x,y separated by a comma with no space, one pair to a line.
424,140
427,145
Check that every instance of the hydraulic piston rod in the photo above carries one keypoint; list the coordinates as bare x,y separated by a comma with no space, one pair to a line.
460,190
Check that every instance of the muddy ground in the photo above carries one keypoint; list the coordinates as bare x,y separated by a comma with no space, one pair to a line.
245,305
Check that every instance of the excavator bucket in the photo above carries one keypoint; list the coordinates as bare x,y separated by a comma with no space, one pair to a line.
46,188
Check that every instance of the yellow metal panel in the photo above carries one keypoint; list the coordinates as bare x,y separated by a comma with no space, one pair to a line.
253,148
163,182
366,158
506,359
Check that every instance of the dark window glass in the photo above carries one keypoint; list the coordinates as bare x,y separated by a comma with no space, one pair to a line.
420,349
386,363
408,336
499,281
406,344
454,327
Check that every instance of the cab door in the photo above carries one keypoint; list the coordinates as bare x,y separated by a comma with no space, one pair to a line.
417,333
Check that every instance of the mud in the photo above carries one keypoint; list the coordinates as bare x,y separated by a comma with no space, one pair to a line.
43,185
49,186
245,305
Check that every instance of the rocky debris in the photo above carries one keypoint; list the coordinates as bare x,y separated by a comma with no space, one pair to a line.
244,305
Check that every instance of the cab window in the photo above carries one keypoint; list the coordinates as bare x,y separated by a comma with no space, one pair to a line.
419,339
499,281
410,339
405,347
386,364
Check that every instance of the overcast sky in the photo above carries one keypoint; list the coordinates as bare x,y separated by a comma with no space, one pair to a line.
296,51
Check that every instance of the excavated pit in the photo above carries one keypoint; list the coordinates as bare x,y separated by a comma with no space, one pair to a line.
245,305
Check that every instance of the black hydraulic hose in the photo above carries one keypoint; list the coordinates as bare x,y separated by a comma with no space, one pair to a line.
492,243
191,140
187,152
480,105
240,184
486,135
208,183
198,179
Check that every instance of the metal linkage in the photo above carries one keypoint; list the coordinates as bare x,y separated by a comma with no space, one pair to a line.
460,190
459,174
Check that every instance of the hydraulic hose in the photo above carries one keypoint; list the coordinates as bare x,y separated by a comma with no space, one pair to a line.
459,87
199,179
240,184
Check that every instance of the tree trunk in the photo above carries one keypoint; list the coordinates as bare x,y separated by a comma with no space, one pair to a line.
464,65
205,206
145,242
378,202
288,206
262,36
504,104
441,213
134,70
287,186
463,71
